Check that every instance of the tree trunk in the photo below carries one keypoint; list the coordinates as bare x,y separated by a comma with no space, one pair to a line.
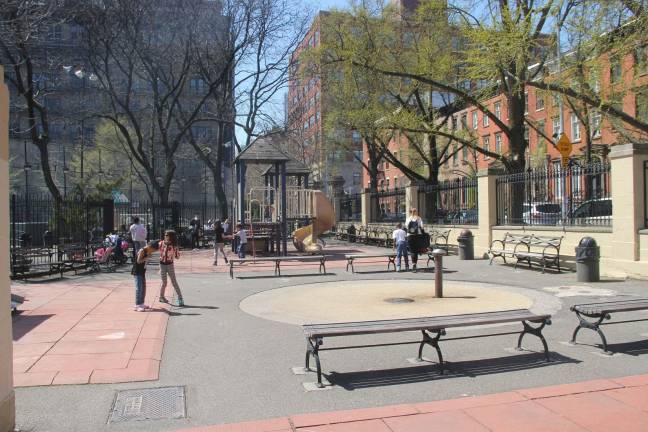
47,172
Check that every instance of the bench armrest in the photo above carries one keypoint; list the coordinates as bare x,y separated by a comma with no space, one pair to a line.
492,245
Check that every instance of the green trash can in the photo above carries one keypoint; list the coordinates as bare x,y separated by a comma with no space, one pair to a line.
588,255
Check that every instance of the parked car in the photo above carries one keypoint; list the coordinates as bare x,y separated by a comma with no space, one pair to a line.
541,213
465,216
596,211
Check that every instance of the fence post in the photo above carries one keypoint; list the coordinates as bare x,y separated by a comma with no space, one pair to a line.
411,200
628,199
486,209
366,207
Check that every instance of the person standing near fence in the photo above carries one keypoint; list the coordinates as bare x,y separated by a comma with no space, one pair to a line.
138,233
139,273
414,227
400,244
242,240
169,252
219,241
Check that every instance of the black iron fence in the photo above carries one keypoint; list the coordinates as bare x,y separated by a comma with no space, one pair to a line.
449,202
555,195
40,221
351,208
387,206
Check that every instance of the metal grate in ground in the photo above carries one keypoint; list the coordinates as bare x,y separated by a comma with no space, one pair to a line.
148,404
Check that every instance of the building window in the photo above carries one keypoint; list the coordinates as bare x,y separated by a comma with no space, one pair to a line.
306,125
396,182
526,134
356,179
555,100
641,104
641,60
540,130
540,102
464,153
455,155
615,69
464,121
575,127
386,165
485,120
486,146
197,85
555,127
498,143
311,121
596,124
317,116
356,137
55,32
474,119
454,122
498,110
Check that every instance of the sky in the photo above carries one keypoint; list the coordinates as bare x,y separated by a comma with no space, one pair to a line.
328,4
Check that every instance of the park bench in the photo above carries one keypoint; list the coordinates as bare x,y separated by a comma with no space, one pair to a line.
278,260
29,261
76,258
602,311
545,249
508,246
432,328
438,240
391,257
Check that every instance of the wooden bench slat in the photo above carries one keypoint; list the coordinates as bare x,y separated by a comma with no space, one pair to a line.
415,324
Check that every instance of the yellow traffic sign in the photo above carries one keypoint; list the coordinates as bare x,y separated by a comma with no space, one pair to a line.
564,160
564,146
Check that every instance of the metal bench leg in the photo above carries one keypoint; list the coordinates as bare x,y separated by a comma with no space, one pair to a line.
434,342
537,331
583,323
312,349
231,270
322,266
390,262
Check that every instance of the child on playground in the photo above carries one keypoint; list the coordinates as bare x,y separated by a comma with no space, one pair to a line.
400,245
139,272
242,240
169,252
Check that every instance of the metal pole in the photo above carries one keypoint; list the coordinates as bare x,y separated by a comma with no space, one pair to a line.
438,275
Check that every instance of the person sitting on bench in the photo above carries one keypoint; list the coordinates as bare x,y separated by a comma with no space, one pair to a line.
400,245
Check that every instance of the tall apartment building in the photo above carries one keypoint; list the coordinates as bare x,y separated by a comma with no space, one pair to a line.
73,98
306,109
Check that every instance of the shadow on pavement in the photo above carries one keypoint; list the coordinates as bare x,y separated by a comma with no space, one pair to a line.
23,324
284,276
430,371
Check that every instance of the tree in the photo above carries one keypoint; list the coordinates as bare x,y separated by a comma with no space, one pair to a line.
151,74
24,27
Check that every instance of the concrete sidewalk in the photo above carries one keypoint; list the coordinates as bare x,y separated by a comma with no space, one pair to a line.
599,405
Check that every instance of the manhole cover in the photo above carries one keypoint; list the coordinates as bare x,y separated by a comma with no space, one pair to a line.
149,404
399,300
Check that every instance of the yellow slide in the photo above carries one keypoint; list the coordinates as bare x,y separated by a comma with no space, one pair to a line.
306,239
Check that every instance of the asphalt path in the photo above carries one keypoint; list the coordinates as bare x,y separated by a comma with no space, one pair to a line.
237,367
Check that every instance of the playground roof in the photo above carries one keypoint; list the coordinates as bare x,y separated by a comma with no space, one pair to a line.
263,150
293,167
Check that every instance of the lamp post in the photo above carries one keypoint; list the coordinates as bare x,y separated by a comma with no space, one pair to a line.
65,171
26,168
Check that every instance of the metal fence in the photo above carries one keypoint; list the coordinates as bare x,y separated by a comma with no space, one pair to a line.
388,206
351,208
38,220
553,195
449,202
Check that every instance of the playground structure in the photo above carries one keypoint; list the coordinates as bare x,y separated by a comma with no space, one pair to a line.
270,213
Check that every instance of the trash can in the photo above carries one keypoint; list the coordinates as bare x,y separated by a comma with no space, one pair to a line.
466,243
588,254
351,231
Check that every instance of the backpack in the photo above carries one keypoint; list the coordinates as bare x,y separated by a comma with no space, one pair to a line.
413,227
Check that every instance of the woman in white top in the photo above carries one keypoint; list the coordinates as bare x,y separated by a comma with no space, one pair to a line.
414,228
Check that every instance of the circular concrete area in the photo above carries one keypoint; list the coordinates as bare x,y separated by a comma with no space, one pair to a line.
370,300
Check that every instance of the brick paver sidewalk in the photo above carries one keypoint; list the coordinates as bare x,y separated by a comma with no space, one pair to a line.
86,332
619,404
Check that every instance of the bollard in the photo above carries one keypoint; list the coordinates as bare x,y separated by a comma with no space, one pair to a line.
438,272
465,243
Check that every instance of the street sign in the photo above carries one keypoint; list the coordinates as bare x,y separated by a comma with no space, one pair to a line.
564,160
564,146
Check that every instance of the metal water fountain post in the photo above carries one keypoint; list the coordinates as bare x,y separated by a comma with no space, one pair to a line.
438,272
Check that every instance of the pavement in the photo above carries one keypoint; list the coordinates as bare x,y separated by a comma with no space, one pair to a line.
236,365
